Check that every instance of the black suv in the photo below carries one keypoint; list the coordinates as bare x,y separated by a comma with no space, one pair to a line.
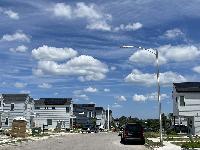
133,133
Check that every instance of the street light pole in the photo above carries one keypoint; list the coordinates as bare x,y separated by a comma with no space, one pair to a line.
108,118
155,52
159,100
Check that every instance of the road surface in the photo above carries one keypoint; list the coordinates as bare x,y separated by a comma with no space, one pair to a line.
93,141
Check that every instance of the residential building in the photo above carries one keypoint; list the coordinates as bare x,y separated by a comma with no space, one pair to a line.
110,118
186,104
100,115
84,113
16,105
53,112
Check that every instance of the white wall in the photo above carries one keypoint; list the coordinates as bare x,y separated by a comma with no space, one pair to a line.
57,114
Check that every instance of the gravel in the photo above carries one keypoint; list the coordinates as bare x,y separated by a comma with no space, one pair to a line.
93,141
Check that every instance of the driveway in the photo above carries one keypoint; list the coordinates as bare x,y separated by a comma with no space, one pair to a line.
93,141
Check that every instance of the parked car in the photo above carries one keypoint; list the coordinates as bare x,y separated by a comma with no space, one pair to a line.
133,133
86,129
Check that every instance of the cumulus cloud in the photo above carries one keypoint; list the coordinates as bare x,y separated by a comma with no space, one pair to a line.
90,90
45,86
196,69
17,36
52,53
173,33
144,57
166,78
121,98
85,67
11,14
82,96
106,90
116,105
167,53
96,20
129,27
113,68
20,85
62,10
25,92
21,48
150,96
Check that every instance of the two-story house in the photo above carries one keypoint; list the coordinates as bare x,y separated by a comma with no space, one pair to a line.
16,105
186,104
85,114
53,112
100,114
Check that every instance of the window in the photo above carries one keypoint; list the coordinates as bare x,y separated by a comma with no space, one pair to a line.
12,106
182,102
67,109
37,107
53,108
0,103
49,121
6,122
176,99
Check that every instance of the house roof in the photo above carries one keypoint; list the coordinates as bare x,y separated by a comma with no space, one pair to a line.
15,97
187,87
53,101
98,108
89,107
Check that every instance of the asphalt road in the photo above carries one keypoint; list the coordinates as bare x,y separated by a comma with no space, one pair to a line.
93,141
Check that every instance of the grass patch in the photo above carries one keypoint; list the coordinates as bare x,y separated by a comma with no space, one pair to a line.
151,134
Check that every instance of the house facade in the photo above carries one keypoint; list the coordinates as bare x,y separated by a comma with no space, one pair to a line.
100,115
16,105
53,112
186,105
84,113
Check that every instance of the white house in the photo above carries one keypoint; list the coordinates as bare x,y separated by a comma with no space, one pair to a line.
53,112
186,104
16,105
100,114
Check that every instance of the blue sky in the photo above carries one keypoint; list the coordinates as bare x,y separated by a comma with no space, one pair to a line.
72,49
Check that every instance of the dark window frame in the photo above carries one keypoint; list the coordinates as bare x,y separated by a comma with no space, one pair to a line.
182,100
49,121
12,107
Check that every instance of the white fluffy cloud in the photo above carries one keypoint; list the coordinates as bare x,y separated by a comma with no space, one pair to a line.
144,57
121,98
116,105
11,14
129,27
150,96
20,85
173,33
96,20
85,67
52,53
167,53
196,69
166,78
17,36
106,90
45,85
90,89
25,92
62,10
21,48
82,96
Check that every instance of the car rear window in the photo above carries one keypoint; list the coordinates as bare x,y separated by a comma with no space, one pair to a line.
133,127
